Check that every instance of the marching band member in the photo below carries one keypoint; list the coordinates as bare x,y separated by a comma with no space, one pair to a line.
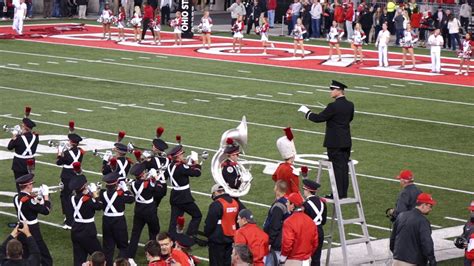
67,159
157,25
181,199
286,171
465,54
114,225
120,163
435,41
358,37
231,171
159,162
84,232
106,19
20,15
144,187
237,29
298,32
315,208
382,44
28,207
148,16
24,145
407,41
206,25
176,25
121,23
334,37
220,226
136,23
264,35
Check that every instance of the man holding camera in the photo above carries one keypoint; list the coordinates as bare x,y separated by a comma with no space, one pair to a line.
11,251
407,197
28,206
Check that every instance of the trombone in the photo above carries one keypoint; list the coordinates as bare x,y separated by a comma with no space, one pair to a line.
15,130
62,145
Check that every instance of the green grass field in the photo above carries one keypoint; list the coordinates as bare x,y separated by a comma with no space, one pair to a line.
423,127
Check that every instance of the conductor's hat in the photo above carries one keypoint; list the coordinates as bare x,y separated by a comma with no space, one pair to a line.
184,240
232,146
336,85
28,123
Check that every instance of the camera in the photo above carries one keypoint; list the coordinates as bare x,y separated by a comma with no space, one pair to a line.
13,225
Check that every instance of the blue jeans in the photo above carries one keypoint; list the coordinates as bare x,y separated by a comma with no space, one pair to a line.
316,28
399,34
29,9
455,38
292,24
271,18
101,7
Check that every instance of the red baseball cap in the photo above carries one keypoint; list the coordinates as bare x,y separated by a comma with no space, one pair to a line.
296,199
471,208
405,175
425,198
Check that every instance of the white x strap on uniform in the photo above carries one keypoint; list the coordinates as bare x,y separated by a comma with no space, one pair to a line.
161,174
175,184
110,210
122,167
27,153
138,197
77,214
75,158
20,214
319,213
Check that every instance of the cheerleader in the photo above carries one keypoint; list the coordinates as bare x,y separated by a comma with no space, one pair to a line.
121,23
157,25
357,38
106,19
263,31
238,35
408,39
205,26
298,32
176,25
136,23
465,54
334,37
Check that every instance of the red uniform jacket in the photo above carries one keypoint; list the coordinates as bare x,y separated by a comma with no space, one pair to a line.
470,250
256,240
299,237
339,14
180,257
285,172
415,20
349,15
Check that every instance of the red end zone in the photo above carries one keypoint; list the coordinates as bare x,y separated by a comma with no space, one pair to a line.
316,57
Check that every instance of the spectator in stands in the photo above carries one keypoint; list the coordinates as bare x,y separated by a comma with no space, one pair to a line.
11,251
47,8
82,8
252,236
236,9
271,7
415,20
426,25
165,6
328,17
465,14
306,19
316,13
453,29
348,19
398,20
339,14
366,21
29,10
241,255
441,22
391,7
411,240
295,9
378,20
253,15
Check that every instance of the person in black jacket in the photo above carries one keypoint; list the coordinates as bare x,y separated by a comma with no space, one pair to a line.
253,15
411,241
220,226
274,222
407,197
11,251
338,116
121,164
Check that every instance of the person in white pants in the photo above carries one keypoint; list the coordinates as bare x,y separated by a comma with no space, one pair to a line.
20,14
382,44
435,41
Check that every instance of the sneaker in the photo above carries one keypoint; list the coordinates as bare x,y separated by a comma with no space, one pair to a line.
232,51
329,196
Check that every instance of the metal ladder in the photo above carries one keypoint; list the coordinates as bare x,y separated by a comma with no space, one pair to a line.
341,222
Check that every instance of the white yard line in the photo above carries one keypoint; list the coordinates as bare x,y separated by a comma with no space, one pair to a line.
264,95
158,104
109,59
244,96
245,78
244,71
71,61
13,65
237,121
224,99
52,62
397,85
33,64
436,226
35,114
108,107
144,57
455,219
416,84
85,110
179,102
284,93
380,86
361,88
58,112
126,58
201,100
305,92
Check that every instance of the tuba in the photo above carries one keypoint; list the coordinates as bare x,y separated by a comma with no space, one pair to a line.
238,134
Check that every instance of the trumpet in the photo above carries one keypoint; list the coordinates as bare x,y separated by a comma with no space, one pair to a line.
146,154
103,155
62,145
38,192
15,130
194,157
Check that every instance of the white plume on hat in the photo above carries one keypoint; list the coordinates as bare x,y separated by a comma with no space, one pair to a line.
285,144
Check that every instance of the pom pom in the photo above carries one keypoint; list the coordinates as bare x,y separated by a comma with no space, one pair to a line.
113,162
178,139
138,154
159,132
71,126
30,165
304,170
120,136
288,133
180,221
229,141
27,111
77,167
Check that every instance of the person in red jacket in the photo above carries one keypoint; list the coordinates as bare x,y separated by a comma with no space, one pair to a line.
300,235
148,17
170,253
339,15
470,250
348,18
252,236
271,7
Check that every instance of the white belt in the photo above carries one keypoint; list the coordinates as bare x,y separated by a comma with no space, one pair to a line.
68,166
219,222
145,201
35,221
84,221
113,214
181,188
24,156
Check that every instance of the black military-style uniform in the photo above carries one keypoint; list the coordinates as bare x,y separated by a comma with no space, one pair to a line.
28,208
24,147
158,163
467,231
231,173
406,199
114,224
315,208
75,154
337,140
123,167
84,231
145,212
181,199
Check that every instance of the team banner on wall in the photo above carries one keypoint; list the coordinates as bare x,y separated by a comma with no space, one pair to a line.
187,14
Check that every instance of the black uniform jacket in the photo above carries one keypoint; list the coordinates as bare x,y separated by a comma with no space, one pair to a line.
87,210
33,259
411,238
119,203
30,208
406,199
337,116
153,164
19,146
149,189
181,175
212,230
231,173
67,160
106,169
311,213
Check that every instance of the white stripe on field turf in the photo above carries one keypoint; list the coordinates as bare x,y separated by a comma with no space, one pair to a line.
8,116
416,84
305,92
244,96
109,59
225,99
201,100
264,95
35,114
33,64
455,219
144,57
13,65
361,88
243,71
284,93
59,112
397,85
108,107
52,62
380,86
71,61
126,58
85,110
244,78
237,121
179,102
159,104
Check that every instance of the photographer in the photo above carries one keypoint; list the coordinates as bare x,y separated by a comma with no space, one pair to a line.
407,197
11,251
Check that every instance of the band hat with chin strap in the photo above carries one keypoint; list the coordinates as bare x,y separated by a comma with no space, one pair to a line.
25,179
336,85
285,145
73,137
28,123
121,147
111,178
77,182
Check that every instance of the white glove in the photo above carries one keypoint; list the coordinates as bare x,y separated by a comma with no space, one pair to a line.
92,187
152,173
304,109
123,186
194,156
44,190
107,156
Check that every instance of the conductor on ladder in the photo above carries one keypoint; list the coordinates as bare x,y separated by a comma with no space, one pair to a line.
338,116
